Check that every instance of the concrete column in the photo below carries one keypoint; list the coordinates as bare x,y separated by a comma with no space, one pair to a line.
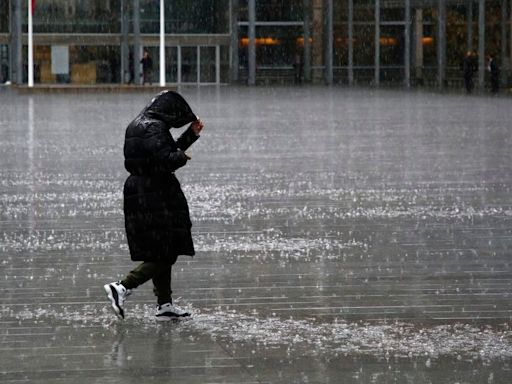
16,58
481,44
441,43
252,42
217,64
12,50
418,62
136,42
318,38
234,41
407,42
377,42
350,26
307,44
329,43
469,24
125,67
504,57
179,64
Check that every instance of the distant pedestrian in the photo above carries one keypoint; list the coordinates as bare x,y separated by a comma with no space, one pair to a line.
468,70
156,213
297,69
131,69
147,68
492,67
4,72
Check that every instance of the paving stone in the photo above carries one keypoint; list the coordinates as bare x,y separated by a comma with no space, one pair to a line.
355,236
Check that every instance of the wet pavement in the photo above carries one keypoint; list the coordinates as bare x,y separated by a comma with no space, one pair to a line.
342,236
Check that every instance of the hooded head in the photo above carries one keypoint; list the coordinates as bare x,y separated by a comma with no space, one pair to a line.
171,108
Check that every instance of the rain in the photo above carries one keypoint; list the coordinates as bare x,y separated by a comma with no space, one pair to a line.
355,234
306,247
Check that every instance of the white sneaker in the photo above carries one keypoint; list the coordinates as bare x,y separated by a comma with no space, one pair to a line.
167,311
117,294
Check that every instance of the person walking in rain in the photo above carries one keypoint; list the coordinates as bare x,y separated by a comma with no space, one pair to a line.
492,67
468,69
147,68
157,221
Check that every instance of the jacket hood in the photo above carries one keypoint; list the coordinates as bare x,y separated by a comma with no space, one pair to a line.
171,108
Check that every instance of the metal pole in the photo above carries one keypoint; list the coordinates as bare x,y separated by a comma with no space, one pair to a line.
252,42
469,23
481,44
351,42
377,42
504,58
198,67
441,43
179,64
136,42
407,50
217,64
234,41
162,43
317,45
329,44
30,47
307,43
11,39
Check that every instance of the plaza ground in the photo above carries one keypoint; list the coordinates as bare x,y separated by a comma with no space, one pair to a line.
342,236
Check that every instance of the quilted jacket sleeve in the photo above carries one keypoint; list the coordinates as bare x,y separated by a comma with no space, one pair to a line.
162,150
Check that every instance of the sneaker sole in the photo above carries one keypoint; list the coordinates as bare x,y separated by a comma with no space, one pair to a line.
112,296
171,318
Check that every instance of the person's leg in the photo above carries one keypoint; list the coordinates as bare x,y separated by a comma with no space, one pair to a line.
495,84
117,292
142,273
166,310
471,84
162,284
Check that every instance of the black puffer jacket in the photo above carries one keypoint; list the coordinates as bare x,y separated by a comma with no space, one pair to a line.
156,213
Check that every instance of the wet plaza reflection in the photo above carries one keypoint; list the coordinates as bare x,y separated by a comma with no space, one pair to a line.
347,236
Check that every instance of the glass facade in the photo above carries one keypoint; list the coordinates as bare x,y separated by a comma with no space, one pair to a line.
101,16
87,65
185,16
89,34
275,10
275,46
4,16
78,16
4,63
279,42
199,42
364,41
4,48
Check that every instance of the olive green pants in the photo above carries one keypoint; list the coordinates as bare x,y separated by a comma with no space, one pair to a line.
159,272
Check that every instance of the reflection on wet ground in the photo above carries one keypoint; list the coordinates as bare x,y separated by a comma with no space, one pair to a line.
347,236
